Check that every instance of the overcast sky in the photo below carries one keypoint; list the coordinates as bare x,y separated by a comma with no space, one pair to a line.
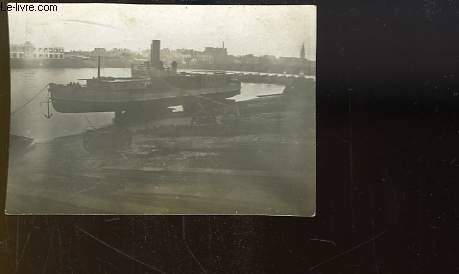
276,30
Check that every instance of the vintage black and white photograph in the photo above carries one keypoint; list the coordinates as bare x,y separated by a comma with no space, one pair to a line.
163,109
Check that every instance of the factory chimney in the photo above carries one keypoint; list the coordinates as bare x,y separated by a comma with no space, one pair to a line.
154,54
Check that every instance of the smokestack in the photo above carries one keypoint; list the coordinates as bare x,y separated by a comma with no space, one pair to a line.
154,53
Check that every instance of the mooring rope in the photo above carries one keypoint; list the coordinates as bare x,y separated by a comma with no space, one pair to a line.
29,101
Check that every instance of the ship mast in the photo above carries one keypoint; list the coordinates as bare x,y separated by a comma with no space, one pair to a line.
98,66
99,52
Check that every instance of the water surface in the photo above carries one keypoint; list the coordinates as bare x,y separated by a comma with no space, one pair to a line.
29,120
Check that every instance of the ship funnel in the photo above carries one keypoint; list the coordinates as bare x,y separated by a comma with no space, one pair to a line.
154,54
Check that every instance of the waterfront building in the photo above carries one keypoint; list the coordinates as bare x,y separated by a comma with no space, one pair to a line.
217,55
29,51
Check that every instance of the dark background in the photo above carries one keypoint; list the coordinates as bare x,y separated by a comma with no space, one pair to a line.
388,134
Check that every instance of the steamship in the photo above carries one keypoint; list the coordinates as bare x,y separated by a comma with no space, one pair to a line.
156,89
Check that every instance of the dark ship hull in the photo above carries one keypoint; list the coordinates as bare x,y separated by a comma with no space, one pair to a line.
115,94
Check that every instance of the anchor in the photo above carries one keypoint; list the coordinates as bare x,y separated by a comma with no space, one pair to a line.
48,115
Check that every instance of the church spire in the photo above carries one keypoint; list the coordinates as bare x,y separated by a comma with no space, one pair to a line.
302,52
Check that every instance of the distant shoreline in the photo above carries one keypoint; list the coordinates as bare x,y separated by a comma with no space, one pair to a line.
126,63
83,66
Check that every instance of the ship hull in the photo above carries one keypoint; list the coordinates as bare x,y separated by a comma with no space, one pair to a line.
68,101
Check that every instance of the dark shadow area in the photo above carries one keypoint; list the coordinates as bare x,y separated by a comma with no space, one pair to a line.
387,161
